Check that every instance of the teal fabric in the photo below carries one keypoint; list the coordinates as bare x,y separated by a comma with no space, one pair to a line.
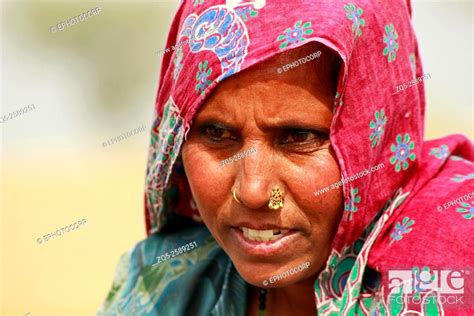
202,281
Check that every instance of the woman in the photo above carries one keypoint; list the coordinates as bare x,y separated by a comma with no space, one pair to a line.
278,232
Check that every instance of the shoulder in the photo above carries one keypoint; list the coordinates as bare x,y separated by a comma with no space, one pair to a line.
151,268
430,233
433,226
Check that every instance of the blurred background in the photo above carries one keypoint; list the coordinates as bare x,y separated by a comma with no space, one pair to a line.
96,80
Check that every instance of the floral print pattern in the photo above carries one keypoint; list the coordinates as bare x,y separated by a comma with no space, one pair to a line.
351,206
467,210
460,159
295,34
378,127
390,40
462,178
202,77
402,228
337,101
441,153
402,152
243,12
222,32
177,61
355,15
424,277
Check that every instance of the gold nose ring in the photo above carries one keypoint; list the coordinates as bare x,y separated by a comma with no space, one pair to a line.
276,199
235,196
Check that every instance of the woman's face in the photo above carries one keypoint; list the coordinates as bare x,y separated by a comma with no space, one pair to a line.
286,117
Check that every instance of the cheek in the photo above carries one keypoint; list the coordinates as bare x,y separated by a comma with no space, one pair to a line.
309,175
205,181
322,212
330,203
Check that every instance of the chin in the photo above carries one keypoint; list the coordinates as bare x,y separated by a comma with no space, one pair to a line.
274,274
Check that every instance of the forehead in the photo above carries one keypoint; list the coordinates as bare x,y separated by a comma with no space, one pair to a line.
303,88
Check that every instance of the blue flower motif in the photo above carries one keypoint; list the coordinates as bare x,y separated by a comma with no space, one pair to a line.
402,228
390,39
378,127
295,34
422,278
402,152
468,209
350,206
354,14
441,153
202,77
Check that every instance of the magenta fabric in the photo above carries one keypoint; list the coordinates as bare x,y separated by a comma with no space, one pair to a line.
414,209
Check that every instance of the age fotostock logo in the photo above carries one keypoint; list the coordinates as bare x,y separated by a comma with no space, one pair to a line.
426,288
425,280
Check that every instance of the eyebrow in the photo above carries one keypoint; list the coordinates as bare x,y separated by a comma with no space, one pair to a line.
283,124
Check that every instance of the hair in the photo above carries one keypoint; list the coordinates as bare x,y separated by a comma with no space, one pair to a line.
326,67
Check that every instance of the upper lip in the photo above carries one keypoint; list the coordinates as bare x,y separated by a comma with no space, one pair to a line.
257,226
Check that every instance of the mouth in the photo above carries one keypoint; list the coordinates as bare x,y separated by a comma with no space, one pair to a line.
264,242
263,235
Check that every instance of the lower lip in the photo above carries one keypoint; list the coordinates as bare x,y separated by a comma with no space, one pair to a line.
263,248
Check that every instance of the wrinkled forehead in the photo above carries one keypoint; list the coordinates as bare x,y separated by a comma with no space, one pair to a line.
282,78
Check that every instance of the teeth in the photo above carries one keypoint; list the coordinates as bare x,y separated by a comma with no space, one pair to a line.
263,235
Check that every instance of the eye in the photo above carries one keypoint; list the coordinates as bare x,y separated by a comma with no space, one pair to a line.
216,133
302,136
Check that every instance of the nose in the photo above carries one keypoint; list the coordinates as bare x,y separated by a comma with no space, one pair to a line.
254,180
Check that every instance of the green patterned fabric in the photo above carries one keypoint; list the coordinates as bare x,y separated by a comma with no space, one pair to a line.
199,282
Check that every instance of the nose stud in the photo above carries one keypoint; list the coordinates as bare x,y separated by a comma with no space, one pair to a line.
275,202
276,199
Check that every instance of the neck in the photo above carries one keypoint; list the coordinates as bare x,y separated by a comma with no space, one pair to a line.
295,299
